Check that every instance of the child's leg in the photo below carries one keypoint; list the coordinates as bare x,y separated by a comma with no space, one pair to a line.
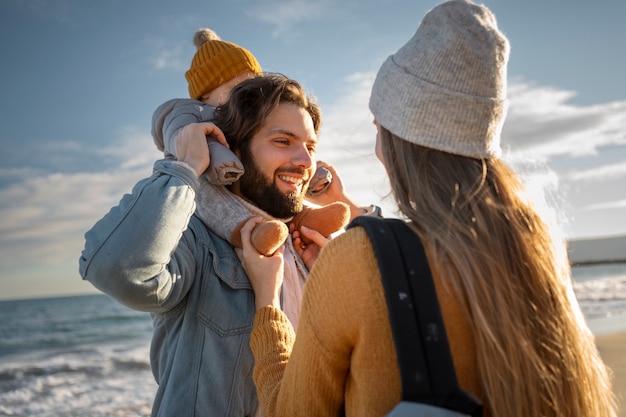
266,237
326,220
225,213
225,168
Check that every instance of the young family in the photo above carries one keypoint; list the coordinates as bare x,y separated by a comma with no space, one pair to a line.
297,330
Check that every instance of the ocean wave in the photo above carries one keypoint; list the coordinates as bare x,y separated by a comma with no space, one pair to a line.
605,297
113,380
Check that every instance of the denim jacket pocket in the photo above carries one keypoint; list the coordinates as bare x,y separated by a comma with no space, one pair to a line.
227,303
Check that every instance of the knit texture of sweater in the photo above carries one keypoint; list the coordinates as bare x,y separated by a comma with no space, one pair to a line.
344,360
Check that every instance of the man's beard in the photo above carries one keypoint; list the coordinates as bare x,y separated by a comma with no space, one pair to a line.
257,188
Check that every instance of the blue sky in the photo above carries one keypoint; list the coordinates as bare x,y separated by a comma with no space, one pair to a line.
80,80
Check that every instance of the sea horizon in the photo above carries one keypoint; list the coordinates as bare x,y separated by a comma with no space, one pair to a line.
600,289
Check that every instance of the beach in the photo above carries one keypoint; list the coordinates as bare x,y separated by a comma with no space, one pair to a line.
612,348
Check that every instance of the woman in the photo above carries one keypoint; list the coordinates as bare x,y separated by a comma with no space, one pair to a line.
516,334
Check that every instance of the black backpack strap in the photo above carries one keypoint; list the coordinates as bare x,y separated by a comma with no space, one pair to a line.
426,366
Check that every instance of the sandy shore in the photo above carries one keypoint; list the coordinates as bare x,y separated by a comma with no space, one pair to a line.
612,348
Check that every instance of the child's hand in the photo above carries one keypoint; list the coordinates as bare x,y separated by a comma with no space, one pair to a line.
191,144
310,252
264,272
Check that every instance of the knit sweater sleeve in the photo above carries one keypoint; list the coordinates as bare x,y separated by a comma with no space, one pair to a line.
343,312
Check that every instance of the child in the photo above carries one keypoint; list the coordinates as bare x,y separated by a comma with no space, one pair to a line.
216,68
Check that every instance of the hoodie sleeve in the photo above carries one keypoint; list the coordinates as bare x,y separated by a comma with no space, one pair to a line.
171,116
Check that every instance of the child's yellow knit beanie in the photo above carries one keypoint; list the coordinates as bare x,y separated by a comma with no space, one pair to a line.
215,62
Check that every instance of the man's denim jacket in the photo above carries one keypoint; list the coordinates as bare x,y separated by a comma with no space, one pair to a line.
151,254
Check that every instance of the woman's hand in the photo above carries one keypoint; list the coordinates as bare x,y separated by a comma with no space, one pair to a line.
191,144
308,253
264,272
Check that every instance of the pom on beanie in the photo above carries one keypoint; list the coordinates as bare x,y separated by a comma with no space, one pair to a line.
216,62
204,35
446,87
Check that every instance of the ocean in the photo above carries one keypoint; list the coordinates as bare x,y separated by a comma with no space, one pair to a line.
74,356
88,356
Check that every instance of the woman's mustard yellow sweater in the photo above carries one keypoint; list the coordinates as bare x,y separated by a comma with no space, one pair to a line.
344,360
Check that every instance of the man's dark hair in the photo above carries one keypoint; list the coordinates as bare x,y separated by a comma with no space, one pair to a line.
252,101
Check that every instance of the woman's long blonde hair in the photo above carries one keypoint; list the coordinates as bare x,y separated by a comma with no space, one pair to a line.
536,357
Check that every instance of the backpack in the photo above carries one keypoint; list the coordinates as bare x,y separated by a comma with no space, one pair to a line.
429,384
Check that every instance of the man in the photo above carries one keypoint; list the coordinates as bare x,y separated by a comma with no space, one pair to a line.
152,254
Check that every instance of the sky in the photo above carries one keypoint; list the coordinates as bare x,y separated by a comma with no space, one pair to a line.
81,79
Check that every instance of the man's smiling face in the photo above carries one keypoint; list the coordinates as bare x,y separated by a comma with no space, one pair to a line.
279,162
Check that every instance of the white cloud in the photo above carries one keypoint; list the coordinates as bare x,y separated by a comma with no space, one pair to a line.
604,206
348,123
602,173
43,216
541,124
543,132
131,151
283,15
166,51
170,59
347,142
540,127
12,174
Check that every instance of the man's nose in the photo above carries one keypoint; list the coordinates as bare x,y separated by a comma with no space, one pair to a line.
302,157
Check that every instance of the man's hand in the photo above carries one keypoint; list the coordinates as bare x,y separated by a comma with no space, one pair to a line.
191,145
335,192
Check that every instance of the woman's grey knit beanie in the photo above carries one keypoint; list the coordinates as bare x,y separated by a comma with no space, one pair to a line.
446,87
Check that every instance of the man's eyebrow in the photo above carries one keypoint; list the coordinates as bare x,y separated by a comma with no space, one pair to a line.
285,132
289,133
